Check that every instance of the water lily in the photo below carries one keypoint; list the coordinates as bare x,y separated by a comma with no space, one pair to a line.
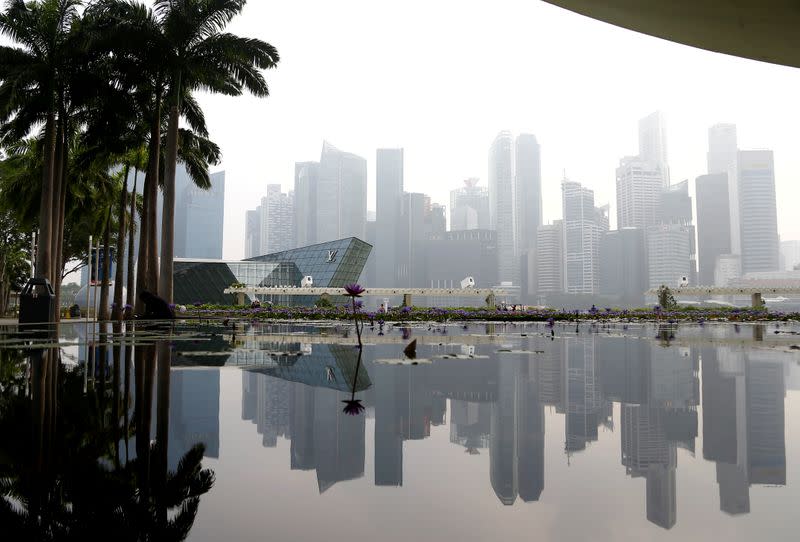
353,407
354,290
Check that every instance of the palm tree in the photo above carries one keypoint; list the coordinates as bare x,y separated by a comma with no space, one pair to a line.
199,55
30,94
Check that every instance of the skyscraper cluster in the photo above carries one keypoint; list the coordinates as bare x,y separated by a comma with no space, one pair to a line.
412,244
736,208
496,233
657,241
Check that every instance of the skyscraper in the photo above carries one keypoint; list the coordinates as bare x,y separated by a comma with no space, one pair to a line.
723,158
199,217
550,259
790,254
713,223
252,233
669,249
674,209
639,186
623,266
341,198
581,238
757,211
419,220
528,190
502,207
389,190
306,177
653,143
276,221
469,207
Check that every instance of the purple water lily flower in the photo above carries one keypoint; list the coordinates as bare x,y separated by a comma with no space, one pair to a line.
353,407
354,290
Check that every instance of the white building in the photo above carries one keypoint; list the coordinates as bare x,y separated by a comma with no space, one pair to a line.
639,187
252,233
790,254
469,207
727,269
550,258
583,224
276,220
669,248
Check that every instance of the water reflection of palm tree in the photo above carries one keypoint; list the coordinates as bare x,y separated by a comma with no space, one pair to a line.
68,480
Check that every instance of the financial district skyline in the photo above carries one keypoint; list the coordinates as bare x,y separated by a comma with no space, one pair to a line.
732,235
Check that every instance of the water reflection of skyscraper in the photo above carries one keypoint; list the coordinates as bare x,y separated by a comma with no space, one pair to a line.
498,403
193,412
586,409
265,401
658,389
743,422
406,406
647,453
322,436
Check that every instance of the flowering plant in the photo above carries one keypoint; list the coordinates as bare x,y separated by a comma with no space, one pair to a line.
354,290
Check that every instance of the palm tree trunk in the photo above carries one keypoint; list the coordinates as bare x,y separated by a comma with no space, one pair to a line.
141,264
147,221
152,210
44,263
168,211
129,298
116,313
59,222
103,311
4,286
152,236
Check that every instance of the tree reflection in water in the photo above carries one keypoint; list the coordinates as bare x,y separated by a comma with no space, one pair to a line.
62,473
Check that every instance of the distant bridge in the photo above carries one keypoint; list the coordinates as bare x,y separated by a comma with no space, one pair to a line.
756,293
490,294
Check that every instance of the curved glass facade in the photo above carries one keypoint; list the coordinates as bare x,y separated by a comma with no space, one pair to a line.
332,265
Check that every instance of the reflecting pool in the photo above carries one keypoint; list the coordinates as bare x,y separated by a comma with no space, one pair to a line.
229,430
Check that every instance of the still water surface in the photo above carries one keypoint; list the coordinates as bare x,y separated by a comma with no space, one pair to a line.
494,432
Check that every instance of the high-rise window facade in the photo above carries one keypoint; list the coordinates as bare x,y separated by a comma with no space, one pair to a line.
502,207
581,238
469,207
276,221
757,211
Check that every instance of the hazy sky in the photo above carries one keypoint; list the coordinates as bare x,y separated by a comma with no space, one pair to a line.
440,79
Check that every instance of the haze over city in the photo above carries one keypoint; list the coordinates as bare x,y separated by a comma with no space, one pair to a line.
441,80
